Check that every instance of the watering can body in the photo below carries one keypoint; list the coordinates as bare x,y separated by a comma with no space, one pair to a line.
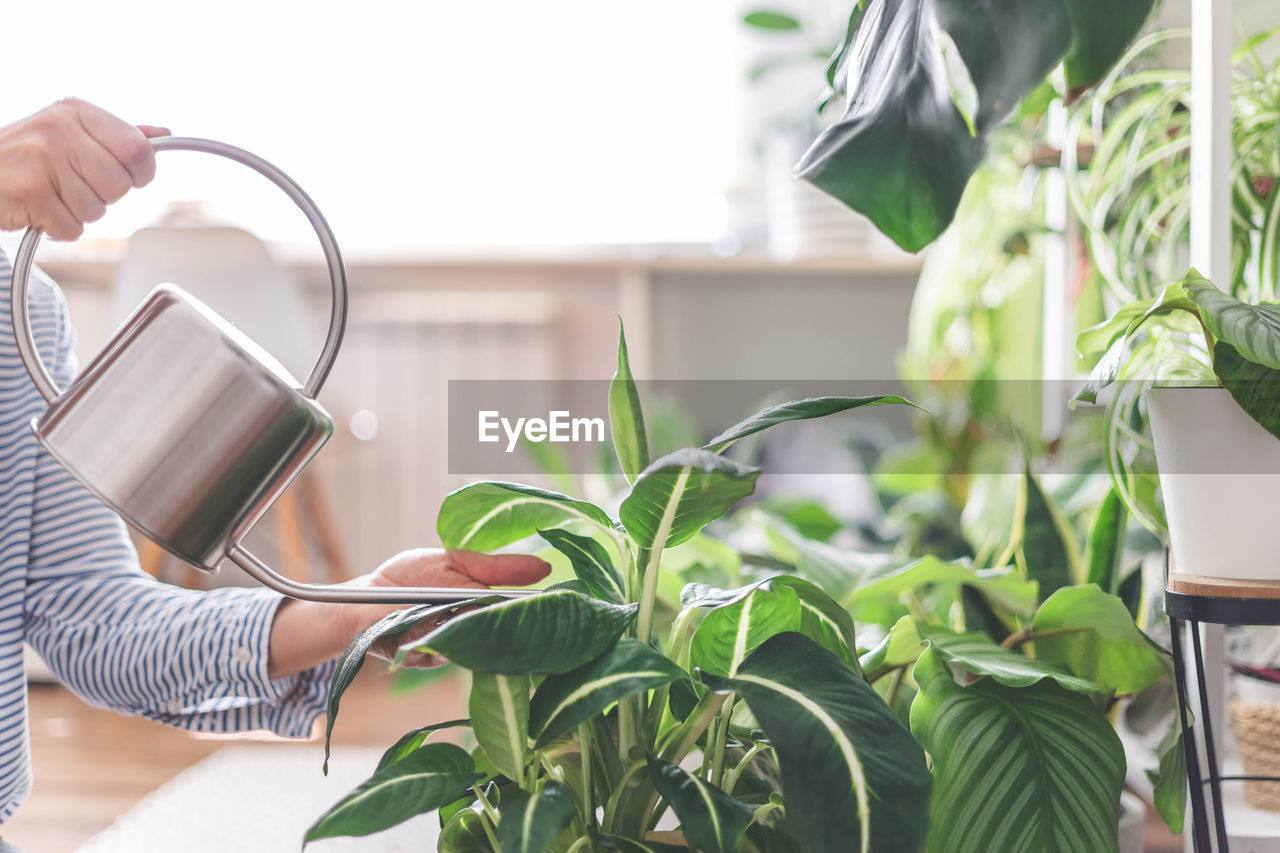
186,427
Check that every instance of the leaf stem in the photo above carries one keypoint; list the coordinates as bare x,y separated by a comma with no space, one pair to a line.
722,742
579,844
615,799
1030,635
731,781
683,739
588,800
490,814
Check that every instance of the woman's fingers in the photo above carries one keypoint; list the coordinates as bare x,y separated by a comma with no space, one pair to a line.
500,569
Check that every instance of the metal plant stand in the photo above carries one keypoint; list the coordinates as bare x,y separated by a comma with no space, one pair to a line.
1189,611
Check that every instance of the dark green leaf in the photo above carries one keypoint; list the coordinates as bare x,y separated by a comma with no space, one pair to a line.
836,69
770,19
563,701
499,708
1105,549
979,615
903,152
1047,550
590,563
1098,639
853,777
464,833
1254,330
1101,31
1254,387
1008,761
626,420
730,633
538,635
681,492
530,822
797,410
487,516
1130,592
430,777
712,820
353,658
900,646
1169,779
411,740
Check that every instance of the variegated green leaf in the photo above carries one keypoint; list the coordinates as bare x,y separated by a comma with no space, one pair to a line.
902,645
712,820
678,494
353,658
487,516
499,708
1169,779
411,740
626,420
853,777
464,833
536,635
798,410
590,563
1027,770
730,633
563,701
1253,329
822,618
530,822
432,776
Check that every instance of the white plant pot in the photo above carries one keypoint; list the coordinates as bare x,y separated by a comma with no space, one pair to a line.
1220,477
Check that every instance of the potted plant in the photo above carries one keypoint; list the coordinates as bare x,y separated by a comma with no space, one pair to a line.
755,719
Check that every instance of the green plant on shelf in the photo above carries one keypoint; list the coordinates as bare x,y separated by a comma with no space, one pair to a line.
752,718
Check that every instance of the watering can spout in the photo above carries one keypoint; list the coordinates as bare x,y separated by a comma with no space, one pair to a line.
185,427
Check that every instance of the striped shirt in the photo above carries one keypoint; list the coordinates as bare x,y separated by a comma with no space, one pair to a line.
70,586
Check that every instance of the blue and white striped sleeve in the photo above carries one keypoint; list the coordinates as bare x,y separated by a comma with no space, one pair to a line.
123,640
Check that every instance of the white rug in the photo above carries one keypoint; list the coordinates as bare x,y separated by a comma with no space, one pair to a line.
256,799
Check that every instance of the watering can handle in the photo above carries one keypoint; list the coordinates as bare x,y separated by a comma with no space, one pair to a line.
337,272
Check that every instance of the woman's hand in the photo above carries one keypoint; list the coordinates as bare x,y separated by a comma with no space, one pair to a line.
307,633
61,167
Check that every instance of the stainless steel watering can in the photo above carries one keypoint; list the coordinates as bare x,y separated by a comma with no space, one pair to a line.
188,429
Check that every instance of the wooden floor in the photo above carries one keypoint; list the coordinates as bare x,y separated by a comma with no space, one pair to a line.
93,765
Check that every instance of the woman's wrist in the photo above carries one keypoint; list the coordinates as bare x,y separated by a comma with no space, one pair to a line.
305,634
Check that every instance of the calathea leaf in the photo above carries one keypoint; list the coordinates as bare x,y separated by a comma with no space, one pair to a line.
972,656
711,820
730,633
563,701
499,708
853,777
411,740
1032,768
680,493
590,563
487,516
430,777
1253,330
530,822
1093,634
537,635
1254,387
353,658
929,80
626,420
797,410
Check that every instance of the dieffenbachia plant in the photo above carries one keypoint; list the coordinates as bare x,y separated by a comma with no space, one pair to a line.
929,80
750,718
